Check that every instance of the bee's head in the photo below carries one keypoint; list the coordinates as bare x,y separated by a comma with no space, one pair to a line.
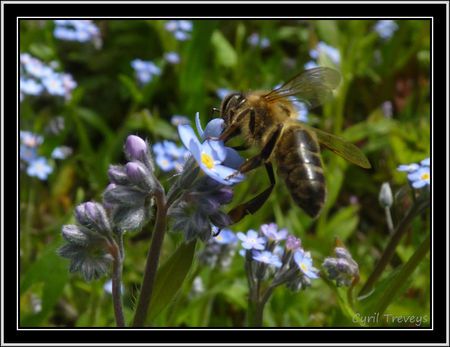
229,106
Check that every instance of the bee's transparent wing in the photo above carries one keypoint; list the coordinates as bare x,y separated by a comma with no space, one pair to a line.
312,87
341,147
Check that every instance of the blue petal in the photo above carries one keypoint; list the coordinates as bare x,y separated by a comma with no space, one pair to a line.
215,149
196,149
233,159
214,128
187,135
198,124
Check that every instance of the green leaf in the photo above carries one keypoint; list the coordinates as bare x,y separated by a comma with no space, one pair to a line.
170,277
329,31
130,85
50,270
91,117
224,52
41,51
342,223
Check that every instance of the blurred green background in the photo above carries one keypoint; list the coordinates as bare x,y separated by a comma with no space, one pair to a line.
382,105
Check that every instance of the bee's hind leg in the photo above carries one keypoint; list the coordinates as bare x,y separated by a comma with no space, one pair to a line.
253,205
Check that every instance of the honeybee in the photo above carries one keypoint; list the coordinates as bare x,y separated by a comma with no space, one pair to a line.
268,120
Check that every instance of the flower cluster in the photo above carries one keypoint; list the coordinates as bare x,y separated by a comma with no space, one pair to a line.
76,30
386,28
199,206
169,156
289,265
219,249
343,268
323,50
145,70
132,184
88,241
255,40
37,78
181,29
37,165
418,175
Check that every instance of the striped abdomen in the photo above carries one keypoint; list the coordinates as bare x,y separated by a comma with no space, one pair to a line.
298,159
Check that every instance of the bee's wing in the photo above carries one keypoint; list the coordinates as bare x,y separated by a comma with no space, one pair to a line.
341,147
313,87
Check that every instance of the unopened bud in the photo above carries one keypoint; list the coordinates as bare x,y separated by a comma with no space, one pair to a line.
97,214
73,234
220,219
135,147
140,175
385,198
118,175
292,242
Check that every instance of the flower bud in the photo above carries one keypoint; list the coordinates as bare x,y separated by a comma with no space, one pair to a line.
224,195
98,218
140,175
135,147
293,243
341,252
124,195
80,215
220,219
105,204
118,175
385,198
127,218
73,234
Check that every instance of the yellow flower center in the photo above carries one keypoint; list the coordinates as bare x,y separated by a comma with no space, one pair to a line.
207,161
303,266
425,176
219,237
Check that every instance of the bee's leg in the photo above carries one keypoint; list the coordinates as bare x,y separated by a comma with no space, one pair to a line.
231,129
263,156
253,205
241,147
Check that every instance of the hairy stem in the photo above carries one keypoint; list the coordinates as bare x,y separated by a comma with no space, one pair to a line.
421,203
117,281
152,259
403,275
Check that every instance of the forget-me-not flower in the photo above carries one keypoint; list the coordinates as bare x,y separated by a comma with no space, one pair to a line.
252,240
420,178
226,236
267,257
271,231
39,168
216,160
386,28
304,262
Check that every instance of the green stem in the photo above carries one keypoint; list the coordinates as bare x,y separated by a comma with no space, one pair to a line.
29,218
152,259
117,291
117,280
403,275
422,202
389,221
